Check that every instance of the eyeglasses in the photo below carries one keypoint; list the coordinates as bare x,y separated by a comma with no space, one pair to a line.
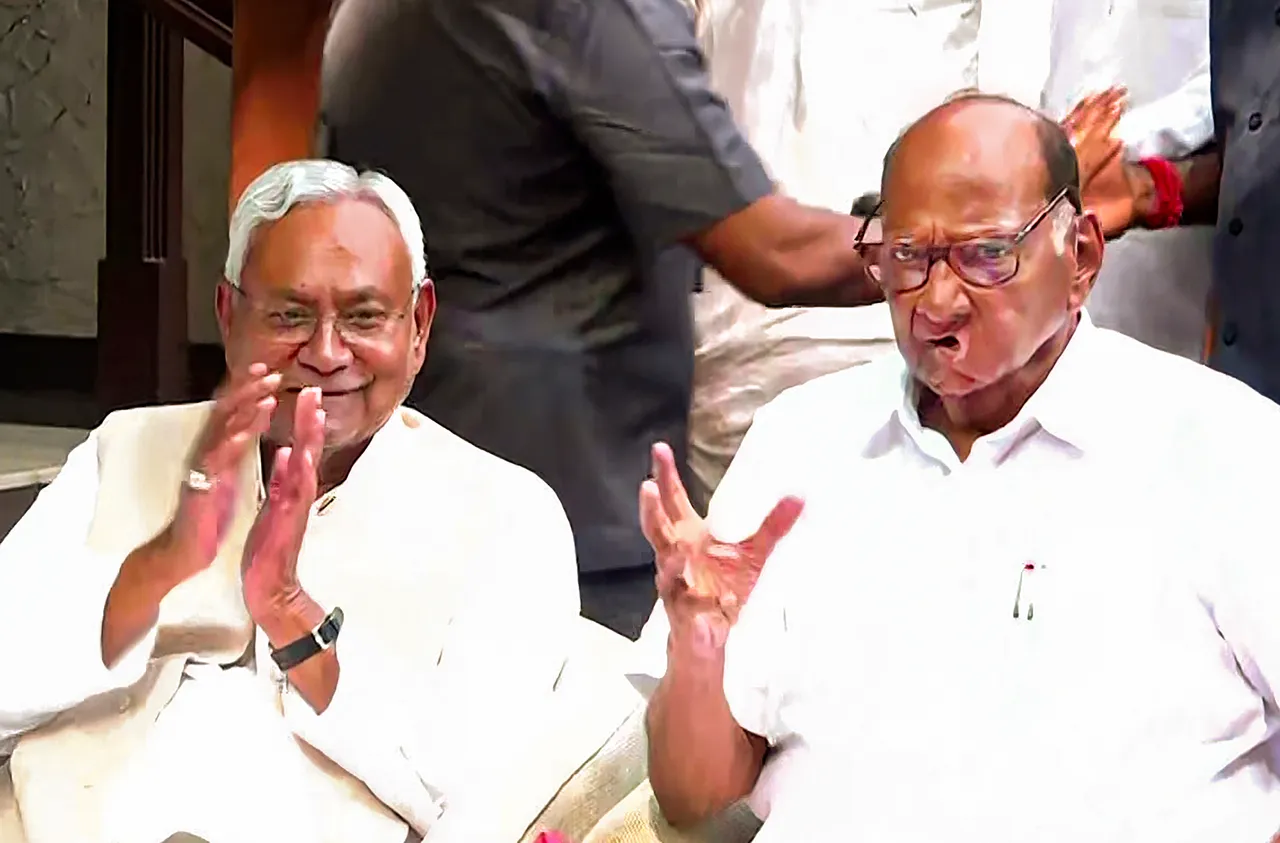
289,323
899,267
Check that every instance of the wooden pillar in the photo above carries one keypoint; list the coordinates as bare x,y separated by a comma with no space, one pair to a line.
275,65
142,280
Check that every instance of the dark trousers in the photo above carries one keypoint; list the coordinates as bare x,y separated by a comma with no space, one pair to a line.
621,600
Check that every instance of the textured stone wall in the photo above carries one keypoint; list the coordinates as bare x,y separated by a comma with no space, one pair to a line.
53,168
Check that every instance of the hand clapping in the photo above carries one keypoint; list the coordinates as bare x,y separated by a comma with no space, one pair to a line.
241,413
269,564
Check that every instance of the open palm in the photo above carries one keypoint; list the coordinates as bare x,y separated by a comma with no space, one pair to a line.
703,581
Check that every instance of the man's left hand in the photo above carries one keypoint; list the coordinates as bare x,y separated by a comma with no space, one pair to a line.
269,565
1119,192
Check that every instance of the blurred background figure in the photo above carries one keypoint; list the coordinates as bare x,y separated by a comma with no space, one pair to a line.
1155,279
573,170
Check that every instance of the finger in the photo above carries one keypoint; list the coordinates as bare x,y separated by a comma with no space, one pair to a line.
776,525
248,385
675,500
236,436
654,521
238,407
238,377
312,419
279,473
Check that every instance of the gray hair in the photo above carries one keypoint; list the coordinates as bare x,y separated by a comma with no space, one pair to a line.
277,191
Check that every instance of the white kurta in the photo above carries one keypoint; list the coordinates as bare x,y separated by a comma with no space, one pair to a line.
457,575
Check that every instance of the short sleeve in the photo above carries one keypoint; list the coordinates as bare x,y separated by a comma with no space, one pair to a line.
630,79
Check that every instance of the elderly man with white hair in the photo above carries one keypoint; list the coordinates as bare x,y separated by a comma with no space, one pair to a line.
299,611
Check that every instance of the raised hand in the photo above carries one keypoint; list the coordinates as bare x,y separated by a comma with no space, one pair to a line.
269,565
1090,126
703,582
241,413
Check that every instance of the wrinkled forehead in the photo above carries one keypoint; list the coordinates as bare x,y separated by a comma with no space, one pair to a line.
330,247
964,174
959,206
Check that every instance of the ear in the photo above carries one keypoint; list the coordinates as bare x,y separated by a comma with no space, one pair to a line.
424,311
224,307
1089,247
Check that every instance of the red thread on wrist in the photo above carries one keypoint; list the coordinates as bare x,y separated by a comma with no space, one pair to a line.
1168,187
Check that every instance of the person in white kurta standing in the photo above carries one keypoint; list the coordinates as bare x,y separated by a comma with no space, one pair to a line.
984,591
300,612
1154,283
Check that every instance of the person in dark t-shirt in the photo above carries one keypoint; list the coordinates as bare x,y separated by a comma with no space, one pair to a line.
572,169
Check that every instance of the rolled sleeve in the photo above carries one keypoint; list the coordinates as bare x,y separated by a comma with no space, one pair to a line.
53,593
630,78
1174,126
417,737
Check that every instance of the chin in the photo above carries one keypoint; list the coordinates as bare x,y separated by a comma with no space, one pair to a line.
946,380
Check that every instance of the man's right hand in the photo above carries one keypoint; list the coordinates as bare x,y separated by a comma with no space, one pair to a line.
241,413
703,582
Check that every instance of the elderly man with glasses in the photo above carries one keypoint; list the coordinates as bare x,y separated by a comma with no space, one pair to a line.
300,611
1002,600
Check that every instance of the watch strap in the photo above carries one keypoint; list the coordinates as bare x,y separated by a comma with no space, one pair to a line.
320,639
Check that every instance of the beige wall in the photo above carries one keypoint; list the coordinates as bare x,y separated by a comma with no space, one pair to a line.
53,168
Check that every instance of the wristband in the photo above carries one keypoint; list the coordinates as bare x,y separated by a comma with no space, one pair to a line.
1168,189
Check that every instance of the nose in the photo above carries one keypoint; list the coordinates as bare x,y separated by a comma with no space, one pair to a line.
326,352
944,301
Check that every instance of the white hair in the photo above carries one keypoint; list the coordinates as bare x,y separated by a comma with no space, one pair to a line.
277,191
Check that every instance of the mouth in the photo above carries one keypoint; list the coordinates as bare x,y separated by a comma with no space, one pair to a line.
946,343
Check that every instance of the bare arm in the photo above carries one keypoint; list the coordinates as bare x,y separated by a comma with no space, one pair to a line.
133,604
1200,176
700,760
275,72
783,254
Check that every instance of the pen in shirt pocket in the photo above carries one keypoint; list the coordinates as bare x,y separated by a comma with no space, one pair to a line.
1024,599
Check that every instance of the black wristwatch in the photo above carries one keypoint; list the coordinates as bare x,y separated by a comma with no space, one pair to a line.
321,638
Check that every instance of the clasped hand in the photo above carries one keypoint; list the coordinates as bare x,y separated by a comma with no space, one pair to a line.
241,414
703,582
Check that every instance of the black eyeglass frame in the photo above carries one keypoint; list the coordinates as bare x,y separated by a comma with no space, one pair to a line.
933,254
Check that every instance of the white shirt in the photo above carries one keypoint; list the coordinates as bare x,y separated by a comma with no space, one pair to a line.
822,88
231,735
881,654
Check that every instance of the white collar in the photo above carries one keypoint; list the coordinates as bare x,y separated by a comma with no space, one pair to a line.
1060,406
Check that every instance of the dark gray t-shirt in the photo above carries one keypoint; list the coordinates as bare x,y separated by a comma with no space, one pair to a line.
557,151
1245,50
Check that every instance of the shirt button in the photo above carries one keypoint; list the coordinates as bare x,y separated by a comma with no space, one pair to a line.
1229,334
1235,226
1255,121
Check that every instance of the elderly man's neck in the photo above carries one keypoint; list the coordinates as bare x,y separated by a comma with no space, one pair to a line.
335,464
966,419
